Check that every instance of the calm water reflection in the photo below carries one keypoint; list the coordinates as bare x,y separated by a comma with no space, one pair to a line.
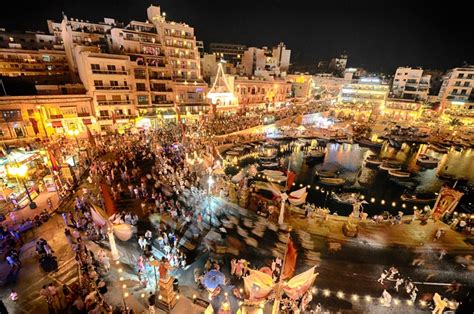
374,183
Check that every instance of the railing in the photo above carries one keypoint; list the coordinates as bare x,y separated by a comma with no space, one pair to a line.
110,87
83,114
179,36
109,72
113,102
160,77
161,90
161,102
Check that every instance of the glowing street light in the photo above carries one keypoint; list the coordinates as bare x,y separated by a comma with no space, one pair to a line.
20,172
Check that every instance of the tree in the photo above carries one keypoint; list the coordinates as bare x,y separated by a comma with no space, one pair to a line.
455,122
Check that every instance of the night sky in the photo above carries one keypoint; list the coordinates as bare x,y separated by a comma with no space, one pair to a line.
377,35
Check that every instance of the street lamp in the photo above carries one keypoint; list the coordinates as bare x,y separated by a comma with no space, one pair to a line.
20,172
210,182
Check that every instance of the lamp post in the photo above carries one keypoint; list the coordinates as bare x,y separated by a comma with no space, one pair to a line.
20,172
210,182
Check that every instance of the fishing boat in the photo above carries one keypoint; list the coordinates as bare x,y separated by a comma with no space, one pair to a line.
270,164
363,141
314,155
418,198
427,161
399,174
326,174
344,141
438,148
387,165
373,160
394,143
332,181
345,198
232,153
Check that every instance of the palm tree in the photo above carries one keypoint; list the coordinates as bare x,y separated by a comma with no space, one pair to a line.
455,122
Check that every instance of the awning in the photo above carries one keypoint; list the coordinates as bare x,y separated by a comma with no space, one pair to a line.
86,121
56,124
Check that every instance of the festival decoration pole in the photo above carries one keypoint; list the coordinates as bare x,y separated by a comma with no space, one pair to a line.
278,286
284,197
113,245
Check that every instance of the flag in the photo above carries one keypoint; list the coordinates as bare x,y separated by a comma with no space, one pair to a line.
258,285
90,137
298,197
108,202
113,118
290,260
53,161
300,284
98,215
34,124
291,178
447,200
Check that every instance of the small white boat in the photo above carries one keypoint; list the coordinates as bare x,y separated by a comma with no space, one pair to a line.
399,174
373,160
389,166
232,153
272,173
427,161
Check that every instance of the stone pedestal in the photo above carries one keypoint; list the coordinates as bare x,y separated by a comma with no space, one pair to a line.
167,294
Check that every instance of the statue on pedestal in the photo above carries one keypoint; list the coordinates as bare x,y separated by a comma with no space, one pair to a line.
163,268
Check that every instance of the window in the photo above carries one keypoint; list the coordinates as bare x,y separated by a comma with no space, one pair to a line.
470,76
463,92
141,87
455,91
143,100
458,83
98,83
104,113
46,58
116,98
95,67
466,84
41,40
460,75
113,83
111,68
31,112
101,98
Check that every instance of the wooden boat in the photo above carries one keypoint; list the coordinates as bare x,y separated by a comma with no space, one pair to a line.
368,143
427,161
399,174
418,198
270,164
315,155
332,181
326,174
394,143
438,148
373,160
266,158
389,166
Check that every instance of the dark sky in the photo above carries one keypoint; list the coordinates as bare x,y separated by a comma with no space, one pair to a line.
378,35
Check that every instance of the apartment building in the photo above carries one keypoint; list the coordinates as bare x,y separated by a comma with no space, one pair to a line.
28,40
108,81
369,91
264,62
259,92
45,115
411,83
457,89
231,53
282,57
302,85
20,62
397,109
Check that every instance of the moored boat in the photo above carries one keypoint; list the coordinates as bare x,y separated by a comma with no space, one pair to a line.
373,160
315,155
368,143
387,165
399,174
427,161
326,173
418,198
438,148
270,165
332,181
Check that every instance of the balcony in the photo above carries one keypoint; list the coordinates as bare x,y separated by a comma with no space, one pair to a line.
117,117
110,72
179,35
113,102
161,90
161,102
110,87
83,114
157,77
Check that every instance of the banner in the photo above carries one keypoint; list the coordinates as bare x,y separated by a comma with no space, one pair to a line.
447,200
290,260
258,285
108,202
291,178
90,137
298,197
300,284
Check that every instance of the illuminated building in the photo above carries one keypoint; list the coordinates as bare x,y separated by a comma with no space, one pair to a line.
411,83
302,85
232,53
457,90
46,115
370,91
